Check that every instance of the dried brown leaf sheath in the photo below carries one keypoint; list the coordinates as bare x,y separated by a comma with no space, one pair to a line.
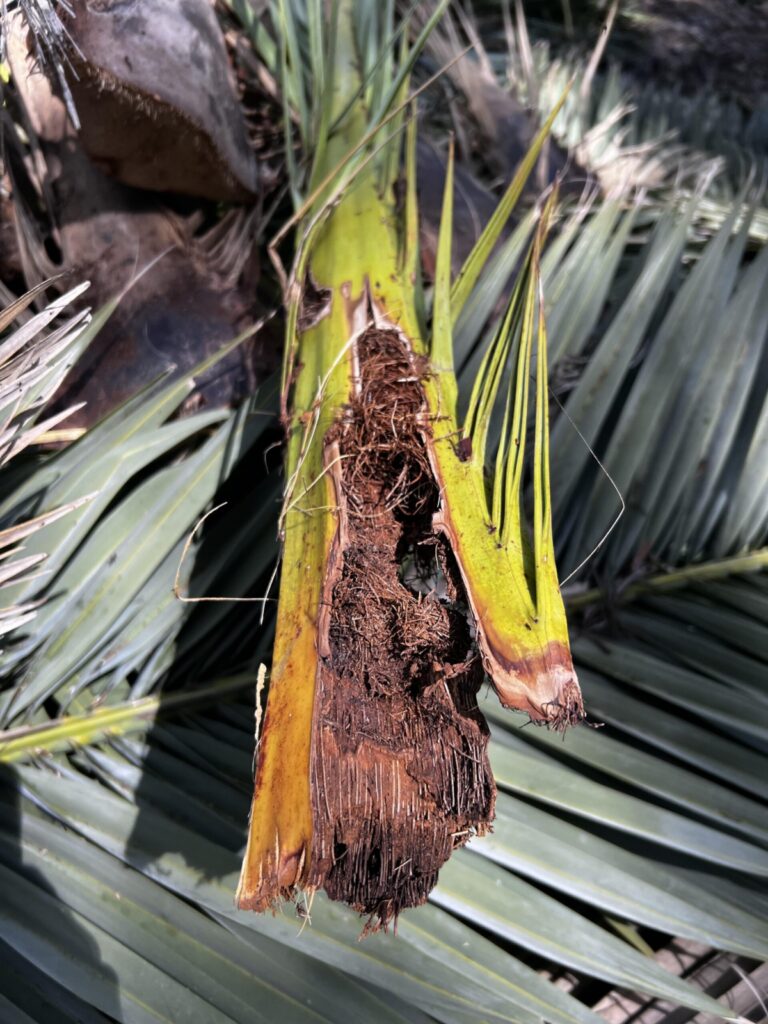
400,774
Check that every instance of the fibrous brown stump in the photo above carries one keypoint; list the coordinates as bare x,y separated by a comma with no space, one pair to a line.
399,771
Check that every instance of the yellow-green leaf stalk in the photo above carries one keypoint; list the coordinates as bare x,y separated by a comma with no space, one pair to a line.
510,577
357,270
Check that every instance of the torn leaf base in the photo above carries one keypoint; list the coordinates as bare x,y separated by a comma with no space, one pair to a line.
407,574
400,774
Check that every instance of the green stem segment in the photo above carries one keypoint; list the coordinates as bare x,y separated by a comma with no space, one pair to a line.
719,569
356,271
105,723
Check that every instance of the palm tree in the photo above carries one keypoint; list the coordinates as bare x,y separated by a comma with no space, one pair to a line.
128,714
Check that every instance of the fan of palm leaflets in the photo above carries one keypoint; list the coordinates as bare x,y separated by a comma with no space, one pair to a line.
32,365
123,826
374,685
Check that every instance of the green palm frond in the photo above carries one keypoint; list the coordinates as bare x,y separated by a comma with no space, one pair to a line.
688,410
108,555
629,135
33,362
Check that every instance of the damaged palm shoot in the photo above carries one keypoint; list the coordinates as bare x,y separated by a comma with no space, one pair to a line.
407,573
509,576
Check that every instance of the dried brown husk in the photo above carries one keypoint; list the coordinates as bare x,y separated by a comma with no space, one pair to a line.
400,773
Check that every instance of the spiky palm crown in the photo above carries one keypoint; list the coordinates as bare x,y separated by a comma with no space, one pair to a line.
119,827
